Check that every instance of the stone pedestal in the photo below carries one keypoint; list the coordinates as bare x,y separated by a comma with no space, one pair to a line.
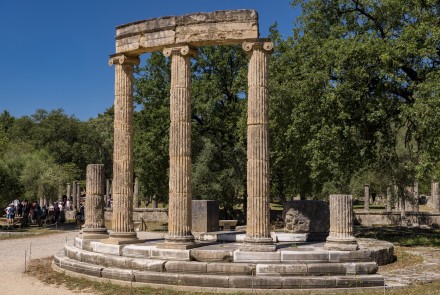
389,200
179,208
94,226
367,198
122,219
341,224
205,216
258,224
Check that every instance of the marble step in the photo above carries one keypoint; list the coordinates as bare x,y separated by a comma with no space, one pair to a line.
62,262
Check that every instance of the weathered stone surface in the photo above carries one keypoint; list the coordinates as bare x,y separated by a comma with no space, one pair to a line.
210,256
186,267
122,190
171,254
309,282
94,226
304,256
197,29
157,278
204,280
148,264
341,224
63,262
230,268
257,257
118,274
106,248
281,269
255,282
258,209
180,193
205,216
308,216
359,281
137,250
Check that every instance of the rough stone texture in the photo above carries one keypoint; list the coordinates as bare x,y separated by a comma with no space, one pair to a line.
205,216
308,216
179,208
147,214
122,219
255,257
435,196
94,225
389,200
341,224
197,29
366,198
258,209
136,200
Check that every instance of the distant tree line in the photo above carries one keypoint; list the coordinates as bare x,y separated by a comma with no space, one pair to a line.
354,99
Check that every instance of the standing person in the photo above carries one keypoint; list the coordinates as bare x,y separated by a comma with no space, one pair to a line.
11,213
25,211
56,211
7,213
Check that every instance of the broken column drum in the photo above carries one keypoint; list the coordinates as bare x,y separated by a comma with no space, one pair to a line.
94,226
341,224
179,208
122,194
258,206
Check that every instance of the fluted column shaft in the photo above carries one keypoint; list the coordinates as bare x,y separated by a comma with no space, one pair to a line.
416,197
366,198
258,206
179,210
341,224
68,191
94,207
136,194
122,218
74,187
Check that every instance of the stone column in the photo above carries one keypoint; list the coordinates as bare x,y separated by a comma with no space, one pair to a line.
94,226
258,210
107,191
389,200
416,197
341,224
122,218
435,196
78,196
366,198
180,196
136,193
68,191
74,187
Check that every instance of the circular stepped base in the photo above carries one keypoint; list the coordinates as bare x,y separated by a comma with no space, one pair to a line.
224,266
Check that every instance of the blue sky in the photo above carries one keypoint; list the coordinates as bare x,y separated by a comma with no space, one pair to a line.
55,52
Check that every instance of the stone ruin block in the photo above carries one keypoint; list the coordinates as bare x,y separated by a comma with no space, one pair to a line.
308,216
205,216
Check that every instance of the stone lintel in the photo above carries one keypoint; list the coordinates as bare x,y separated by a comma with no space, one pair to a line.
224,27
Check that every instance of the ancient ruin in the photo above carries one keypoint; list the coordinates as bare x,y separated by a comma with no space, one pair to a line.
258,259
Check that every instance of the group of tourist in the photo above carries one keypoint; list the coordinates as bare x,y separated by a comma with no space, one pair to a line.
27,213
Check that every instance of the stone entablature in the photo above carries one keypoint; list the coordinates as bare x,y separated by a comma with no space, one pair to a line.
198,29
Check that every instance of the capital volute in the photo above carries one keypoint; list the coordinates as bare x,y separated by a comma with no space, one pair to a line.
120,59
266,45
182,50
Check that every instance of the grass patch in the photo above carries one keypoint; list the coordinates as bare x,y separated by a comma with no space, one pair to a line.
402,236
33,231
404,259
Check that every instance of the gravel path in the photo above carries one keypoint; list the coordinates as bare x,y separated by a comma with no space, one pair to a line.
12,262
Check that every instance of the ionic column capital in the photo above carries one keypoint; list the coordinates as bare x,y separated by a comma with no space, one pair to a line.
120,59
266,45
182,50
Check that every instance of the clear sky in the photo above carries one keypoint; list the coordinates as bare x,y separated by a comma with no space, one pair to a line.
55,52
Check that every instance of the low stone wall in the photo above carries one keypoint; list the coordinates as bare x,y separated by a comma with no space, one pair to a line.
147,214
395,218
